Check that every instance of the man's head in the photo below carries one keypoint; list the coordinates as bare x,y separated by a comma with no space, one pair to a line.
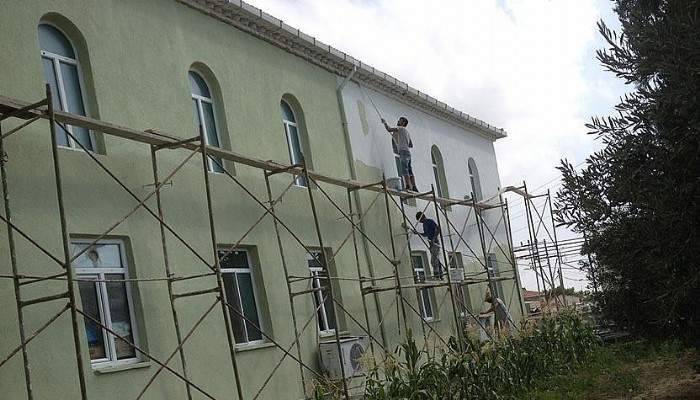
420,216
403,121
489,298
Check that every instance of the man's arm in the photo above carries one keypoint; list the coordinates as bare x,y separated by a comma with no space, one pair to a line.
389,128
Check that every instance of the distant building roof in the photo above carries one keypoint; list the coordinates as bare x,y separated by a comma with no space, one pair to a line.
531,295
264,26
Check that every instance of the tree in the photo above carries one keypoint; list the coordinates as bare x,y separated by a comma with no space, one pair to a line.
637,199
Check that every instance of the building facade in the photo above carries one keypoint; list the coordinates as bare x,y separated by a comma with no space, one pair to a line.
220,69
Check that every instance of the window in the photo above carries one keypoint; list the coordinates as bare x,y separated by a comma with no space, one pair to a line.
62,72
474,179
107,302
424,294
438,172
204,116
294,144
493,271
239,284
455,260
319,280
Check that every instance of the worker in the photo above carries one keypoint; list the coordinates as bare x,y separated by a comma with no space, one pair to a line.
402,139
431,231
503,320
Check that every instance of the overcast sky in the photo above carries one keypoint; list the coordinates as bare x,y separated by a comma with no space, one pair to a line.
527,66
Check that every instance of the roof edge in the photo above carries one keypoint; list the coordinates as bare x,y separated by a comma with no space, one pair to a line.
262,25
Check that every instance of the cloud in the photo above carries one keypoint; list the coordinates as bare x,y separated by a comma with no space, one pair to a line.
525,65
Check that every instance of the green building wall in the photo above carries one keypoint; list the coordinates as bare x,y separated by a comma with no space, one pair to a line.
135,57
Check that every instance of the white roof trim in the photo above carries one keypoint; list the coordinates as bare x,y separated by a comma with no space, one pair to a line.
264,26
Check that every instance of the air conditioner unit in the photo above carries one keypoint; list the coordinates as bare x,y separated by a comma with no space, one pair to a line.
456,275
352,349
395,183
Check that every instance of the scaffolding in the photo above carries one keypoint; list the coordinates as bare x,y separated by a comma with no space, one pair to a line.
450,235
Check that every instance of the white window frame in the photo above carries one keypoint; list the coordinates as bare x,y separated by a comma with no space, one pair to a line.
457,257
474,180
199,99
299,179
316,283
436,171
56,60
422,291
98,274
251,270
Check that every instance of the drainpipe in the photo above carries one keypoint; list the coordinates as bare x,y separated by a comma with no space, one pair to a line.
356,194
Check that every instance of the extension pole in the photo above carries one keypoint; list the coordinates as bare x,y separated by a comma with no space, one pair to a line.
285,269
13,263
324,264
168,271
217,264
450,288
66,245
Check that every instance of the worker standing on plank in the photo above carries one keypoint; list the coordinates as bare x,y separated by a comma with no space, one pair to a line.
431,231
503,319
402,139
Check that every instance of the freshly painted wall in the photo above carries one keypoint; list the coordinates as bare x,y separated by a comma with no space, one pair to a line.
372,152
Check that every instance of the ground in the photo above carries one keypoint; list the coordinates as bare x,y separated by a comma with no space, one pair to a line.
635,370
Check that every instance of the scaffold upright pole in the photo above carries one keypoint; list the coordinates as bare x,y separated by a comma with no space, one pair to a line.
65,239
285,269
317,225
15,270
168,270
217,264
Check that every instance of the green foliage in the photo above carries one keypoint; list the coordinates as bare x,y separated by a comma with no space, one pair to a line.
499,370
638,198
616,371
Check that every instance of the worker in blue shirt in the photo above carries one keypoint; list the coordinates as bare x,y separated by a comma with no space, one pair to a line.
431,232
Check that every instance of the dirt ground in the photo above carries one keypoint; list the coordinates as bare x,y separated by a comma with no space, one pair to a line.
666,381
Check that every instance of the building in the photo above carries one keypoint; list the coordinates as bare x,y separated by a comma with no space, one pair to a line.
254,86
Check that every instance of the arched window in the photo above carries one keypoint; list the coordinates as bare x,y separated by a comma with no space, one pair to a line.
204,116
62,72
474,179
294,144
438,172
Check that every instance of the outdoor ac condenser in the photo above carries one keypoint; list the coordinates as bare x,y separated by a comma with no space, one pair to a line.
456,275
352,348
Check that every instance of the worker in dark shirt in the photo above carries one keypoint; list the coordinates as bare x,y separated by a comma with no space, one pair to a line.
431,232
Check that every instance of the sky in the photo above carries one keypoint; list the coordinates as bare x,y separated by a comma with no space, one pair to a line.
527,66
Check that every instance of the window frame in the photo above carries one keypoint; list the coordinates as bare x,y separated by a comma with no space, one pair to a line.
474,179
56,60
299,180
422,292
251,270
439,174
319,294
199,99
98,274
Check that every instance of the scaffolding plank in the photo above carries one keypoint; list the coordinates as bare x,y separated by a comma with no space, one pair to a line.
156,138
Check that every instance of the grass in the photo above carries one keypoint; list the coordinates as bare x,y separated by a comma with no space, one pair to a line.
623,371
